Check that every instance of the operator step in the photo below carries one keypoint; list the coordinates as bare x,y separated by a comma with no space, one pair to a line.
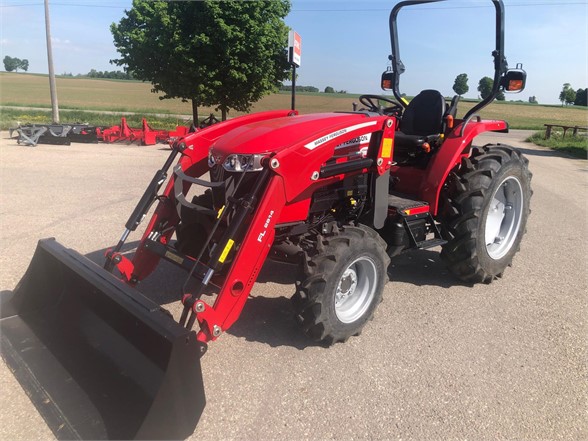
405,205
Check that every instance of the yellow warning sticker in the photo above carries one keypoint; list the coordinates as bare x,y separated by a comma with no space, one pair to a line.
220,212
387,148
225,253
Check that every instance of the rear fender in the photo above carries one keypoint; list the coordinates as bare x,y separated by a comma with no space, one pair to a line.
455,147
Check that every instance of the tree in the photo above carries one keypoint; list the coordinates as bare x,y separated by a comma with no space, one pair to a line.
500,95
581,97
485,87
461,84
567,94
226,54
115,74
533,100
14,64
10,63
329,89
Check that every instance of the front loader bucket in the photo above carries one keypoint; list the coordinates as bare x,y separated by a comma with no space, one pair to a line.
98,359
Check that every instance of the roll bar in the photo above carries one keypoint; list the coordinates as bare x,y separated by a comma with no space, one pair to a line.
500,64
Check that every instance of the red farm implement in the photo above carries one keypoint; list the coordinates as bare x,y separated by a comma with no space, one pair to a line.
144,135
65,134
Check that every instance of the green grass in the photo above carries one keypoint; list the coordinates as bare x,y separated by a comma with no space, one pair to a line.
10,118
117,109
32,90
574,145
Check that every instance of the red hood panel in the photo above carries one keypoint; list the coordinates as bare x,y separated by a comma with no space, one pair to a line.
274,135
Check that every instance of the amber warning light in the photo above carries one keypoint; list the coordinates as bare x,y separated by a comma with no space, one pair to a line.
386,82
515,85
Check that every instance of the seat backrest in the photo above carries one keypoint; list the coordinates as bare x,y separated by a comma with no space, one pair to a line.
424,114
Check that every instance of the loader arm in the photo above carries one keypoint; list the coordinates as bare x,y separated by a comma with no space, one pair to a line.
294,173
194,148
296,163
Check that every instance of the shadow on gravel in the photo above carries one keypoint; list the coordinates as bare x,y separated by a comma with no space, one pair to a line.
271,321
277,272
547,153
164,285
268,320
421,268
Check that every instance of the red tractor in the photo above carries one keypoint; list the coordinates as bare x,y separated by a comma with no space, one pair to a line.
338,194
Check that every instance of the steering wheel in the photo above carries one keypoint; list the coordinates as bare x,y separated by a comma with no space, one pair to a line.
372,102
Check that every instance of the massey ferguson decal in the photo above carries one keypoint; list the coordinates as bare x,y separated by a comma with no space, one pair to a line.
356,145
318,142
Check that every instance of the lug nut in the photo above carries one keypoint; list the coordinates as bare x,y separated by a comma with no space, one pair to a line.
216,330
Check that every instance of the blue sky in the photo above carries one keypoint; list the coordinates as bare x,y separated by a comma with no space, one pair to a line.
345,44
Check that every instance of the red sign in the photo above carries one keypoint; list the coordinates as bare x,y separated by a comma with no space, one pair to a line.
295,48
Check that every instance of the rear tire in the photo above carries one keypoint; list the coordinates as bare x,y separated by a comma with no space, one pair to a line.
485,209
343,284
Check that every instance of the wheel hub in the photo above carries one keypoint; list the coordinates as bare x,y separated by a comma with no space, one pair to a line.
347,285
356,289
504,217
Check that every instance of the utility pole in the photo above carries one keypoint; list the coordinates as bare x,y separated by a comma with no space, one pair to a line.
54,106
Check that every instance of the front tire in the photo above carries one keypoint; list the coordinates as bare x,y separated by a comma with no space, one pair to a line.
343,284
486,207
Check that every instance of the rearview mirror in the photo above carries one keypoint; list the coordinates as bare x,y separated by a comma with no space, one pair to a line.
514,79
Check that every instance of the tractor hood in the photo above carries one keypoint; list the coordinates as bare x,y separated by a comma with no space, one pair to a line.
275,135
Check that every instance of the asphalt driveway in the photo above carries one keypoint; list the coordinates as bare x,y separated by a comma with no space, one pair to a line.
440,360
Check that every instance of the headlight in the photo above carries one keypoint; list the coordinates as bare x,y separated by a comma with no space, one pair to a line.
243,163
212,160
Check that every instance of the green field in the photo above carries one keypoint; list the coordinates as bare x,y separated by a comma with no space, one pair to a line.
19,89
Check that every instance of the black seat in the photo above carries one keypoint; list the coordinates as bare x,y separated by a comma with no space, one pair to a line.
424,114
422,122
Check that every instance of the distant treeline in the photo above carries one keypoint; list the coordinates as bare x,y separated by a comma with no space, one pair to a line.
113,74
299,89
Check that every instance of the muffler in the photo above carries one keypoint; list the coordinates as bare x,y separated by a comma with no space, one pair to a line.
97,358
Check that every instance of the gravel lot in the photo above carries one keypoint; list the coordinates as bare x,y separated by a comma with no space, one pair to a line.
440,360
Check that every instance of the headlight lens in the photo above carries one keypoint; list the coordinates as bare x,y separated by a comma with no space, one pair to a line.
243,163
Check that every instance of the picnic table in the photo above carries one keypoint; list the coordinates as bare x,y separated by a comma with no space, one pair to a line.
575,129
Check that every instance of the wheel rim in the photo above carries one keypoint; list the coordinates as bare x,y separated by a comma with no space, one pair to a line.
504,218
356,289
